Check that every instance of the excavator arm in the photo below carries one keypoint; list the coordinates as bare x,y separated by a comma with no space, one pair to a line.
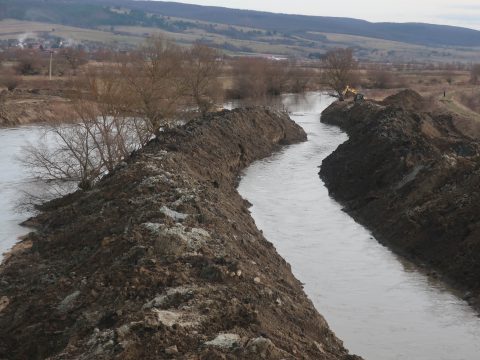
349,90
357,97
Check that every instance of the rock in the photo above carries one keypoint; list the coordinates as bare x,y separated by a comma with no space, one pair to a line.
262,348
167,318
184,199
101,343
67,304
158,301
176,216
123,331
319,347
257,280
175,240
171,318
4,302
162,300
225,341
171,350
152,181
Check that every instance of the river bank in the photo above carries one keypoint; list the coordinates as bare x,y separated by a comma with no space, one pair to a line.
30,106
162,260
410,174
15,181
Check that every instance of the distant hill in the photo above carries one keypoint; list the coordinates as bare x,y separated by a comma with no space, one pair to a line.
244,31
413,33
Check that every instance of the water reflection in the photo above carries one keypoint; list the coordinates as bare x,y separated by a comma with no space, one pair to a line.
382,308
14,181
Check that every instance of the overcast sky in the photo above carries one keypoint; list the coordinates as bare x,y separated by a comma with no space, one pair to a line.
451,12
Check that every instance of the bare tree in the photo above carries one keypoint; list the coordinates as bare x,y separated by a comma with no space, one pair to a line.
299,78
382,78
249,78
255,78
4,115
276,76
152,79
29,62
100,105
98,137
117,108
201,83
475,74
74,58
10,81
339,70
67,156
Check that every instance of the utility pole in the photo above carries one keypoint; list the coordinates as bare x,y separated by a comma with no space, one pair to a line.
50,68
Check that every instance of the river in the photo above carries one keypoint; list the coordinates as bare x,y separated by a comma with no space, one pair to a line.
14,182
380,305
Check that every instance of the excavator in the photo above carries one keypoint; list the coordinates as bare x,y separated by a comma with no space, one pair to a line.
357,97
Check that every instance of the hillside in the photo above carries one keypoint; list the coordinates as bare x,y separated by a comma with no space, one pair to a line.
243,31
413,33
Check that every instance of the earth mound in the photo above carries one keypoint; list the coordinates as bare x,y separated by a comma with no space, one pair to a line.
413,177
162,260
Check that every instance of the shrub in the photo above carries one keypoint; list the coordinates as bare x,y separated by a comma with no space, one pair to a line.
475,74
10,81
29,64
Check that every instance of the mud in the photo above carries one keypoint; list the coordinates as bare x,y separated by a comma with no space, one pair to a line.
412,176
163,260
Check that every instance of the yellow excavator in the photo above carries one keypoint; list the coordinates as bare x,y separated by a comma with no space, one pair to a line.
357,97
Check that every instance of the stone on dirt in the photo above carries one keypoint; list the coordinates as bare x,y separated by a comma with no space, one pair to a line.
225,341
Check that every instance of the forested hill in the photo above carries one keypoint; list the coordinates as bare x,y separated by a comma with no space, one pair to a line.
92,13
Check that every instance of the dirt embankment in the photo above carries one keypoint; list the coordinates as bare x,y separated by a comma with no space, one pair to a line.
412,175
29,106
163,260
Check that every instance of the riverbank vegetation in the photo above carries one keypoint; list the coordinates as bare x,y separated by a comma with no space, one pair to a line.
117,108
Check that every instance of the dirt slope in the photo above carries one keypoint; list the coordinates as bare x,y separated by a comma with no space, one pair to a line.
162,260
24,107
413,177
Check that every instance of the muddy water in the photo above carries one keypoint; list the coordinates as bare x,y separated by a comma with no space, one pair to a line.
14,181
382,307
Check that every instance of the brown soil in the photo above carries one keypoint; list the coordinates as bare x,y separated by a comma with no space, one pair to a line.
23,107
163,260
412,175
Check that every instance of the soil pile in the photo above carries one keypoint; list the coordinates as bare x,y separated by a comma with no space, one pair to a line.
163,260
413,177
